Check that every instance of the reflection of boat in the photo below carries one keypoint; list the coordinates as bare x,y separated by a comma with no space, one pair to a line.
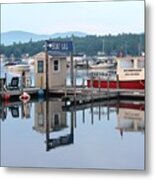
130,117
129,76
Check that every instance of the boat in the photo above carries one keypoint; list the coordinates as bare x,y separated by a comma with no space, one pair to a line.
22,66
103,61
9,64
107,63
129,75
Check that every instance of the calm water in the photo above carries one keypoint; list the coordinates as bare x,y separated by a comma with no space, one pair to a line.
106,135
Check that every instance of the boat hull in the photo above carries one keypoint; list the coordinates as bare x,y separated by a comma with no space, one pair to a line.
134,84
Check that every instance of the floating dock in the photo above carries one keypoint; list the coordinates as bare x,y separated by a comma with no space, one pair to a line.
81,93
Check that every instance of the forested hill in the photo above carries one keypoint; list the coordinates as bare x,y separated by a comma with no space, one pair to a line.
131,44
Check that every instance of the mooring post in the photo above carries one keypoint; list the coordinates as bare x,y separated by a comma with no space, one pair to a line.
92,114
99,84
117,84
108,79
83,82
65,89
6,80
74,113
71,70
47,125
83,115
46,59
91,87
75,83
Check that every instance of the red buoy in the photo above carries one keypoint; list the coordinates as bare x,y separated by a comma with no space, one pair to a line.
25,97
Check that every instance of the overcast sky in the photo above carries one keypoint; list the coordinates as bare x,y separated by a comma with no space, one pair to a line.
90,17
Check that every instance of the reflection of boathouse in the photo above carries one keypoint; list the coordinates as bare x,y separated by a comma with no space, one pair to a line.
56,118
130,118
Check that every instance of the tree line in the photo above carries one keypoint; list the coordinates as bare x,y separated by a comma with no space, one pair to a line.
126,44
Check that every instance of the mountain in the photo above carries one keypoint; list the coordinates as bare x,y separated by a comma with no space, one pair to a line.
7,38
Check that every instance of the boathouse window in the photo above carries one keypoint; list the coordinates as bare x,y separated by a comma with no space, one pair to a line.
56,65
40,66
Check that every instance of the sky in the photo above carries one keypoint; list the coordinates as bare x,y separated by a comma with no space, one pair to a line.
98,18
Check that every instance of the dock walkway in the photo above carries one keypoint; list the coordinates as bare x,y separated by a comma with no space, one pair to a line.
82,93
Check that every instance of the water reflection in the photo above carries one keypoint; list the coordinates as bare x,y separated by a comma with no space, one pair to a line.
53,116
130,117
16,110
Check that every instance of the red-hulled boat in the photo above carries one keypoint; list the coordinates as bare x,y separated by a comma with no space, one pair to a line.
130,77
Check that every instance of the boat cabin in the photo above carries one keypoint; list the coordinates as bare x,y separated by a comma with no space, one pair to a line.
130,68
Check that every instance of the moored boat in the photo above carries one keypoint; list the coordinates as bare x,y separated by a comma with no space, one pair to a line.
101,65
127,77
19,67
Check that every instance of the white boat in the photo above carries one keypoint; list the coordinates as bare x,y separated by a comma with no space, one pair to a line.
19,67
130,77
104,63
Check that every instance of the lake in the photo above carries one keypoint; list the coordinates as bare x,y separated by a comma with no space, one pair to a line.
102,135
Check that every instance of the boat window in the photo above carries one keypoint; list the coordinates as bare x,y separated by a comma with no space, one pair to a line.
40,66
126,63
140,63
56,65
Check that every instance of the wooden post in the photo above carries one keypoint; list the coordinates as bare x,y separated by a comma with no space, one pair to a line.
92,114
108,110
108,83
47,125
99,87
71,70
47,74
83,115
74,113
83,82
99,111
91,87
75,83
117,85
65,89
6,80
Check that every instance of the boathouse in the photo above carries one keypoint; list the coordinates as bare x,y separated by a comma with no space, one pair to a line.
57,71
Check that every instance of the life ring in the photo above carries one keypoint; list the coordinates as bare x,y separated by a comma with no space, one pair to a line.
25,97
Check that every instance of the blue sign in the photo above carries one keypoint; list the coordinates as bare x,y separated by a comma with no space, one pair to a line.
59,46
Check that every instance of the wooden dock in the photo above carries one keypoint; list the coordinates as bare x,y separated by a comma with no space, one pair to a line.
82,94
87,94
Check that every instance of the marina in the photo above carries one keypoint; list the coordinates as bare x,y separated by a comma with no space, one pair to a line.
66,109
126,82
